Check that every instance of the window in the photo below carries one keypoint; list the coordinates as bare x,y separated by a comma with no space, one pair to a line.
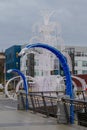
36,62
84,72
17,64
26,62
16,54
36,73
10,56
56,64
84,63
27,72
75,72
42,73
78,54
76,63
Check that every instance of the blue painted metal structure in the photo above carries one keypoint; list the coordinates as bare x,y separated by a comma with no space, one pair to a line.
24,81
63,62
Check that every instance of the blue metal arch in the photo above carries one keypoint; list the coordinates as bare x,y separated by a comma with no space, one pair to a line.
24,81
64,64
23,77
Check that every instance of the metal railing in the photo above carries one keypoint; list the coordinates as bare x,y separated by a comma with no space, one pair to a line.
47,103
44,102
80,109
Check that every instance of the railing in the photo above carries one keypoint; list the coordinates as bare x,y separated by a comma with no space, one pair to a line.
80,109
42,102
47,103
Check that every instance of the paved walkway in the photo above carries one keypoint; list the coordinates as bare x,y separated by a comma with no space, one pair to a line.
26,120
13,119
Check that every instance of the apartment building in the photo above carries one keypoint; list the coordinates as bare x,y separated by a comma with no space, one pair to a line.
46,64
12,59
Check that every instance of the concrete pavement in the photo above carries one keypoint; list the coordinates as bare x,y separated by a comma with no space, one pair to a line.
27,120
13,119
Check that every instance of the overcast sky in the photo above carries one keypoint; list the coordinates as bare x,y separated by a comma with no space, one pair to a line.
18,16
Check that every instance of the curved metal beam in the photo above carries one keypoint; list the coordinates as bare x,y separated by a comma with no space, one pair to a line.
64,64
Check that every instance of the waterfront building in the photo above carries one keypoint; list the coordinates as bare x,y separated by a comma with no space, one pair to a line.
80,59
46,65
12,59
